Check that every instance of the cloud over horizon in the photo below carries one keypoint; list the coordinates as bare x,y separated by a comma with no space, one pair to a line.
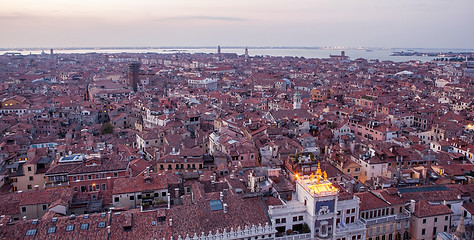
371,23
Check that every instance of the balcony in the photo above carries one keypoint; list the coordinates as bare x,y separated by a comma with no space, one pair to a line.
295,237
379,220
403,216
344,230
56,184
390,218
288,209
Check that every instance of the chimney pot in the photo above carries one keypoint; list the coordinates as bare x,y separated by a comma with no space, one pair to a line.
412,206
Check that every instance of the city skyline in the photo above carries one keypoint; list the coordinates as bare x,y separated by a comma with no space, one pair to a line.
397,24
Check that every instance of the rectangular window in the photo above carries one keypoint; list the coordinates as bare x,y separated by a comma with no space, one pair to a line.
23,209
117,199
104,186
31,178
101,225
51,230
132,198
295,219
44,207
115,174
423,231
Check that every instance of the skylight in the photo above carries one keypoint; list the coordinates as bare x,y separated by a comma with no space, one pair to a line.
69,228
30,232
84,226
215,205
52,230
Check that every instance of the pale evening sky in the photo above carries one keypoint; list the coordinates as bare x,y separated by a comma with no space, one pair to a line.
140,23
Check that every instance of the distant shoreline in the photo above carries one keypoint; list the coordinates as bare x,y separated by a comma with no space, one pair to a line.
381,54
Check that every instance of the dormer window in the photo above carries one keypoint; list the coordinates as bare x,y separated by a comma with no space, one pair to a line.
148,179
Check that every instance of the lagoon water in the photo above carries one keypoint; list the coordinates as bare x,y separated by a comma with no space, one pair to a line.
379,53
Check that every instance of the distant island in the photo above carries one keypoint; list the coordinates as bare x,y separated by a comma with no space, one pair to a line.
442,56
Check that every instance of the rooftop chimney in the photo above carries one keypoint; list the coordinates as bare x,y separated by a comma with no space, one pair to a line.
412,206
171,222
225,207
169,200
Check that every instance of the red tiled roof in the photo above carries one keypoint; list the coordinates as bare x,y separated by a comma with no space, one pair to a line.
368,201
424,209
140,183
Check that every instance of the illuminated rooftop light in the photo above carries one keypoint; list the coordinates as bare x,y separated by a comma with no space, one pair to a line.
317,183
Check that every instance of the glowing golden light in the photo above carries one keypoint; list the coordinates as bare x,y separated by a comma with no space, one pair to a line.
318,183
322,187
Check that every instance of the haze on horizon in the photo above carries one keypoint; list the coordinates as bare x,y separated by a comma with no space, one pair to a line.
141,23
